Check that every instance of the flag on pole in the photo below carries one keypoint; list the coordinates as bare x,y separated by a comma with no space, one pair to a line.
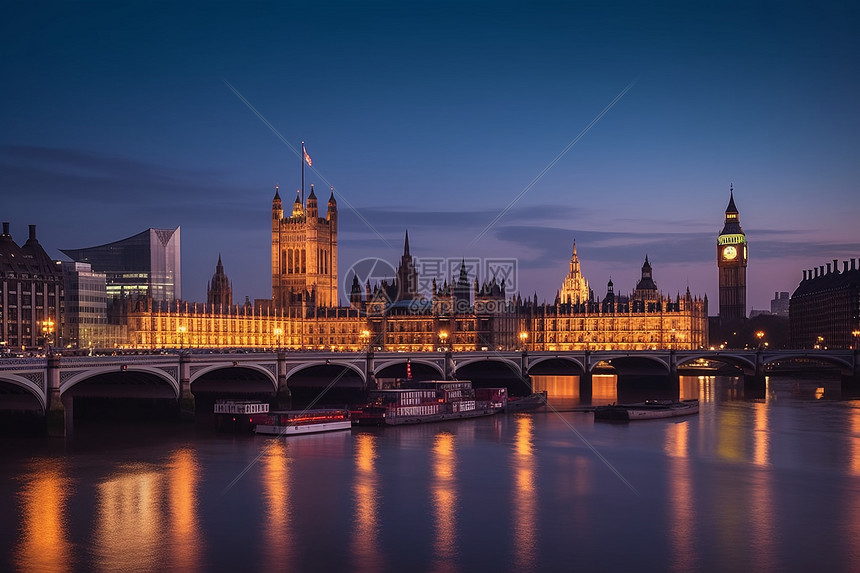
307,157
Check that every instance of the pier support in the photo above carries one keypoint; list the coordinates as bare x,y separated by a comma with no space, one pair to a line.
755,383
186,398
851,379
55,412
284,397
585,391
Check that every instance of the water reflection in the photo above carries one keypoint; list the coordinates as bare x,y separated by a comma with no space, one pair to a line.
44,545
276,495
689,388
706,389
682,509
604,389
365,493
185,539
525,496
566,387
730,434
129,520
761,497
854,439
444,488
851,518
761,441
564,391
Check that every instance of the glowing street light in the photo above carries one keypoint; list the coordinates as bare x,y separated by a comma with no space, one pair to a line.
523,337
856,335
181,330
759,334
278,331
443,336
48,333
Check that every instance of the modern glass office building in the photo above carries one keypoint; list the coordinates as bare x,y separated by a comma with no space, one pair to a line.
147,264
85,310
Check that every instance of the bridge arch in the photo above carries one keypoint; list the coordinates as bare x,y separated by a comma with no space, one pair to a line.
27,387
845,365
645,365
249,371
514,366
428,363
139,373
738,361
338,363
534,367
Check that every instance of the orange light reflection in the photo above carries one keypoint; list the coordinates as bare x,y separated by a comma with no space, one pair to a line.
445,502
276,494
130,520
185,540
682,514
364,490
44,545
525,496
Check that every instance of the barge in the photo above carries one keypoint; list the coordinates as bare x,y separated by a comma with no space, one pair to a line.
648,410
430,401
294,422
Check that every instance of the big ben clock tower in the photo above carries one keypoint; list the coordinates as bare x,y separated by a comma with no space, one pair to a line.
732,264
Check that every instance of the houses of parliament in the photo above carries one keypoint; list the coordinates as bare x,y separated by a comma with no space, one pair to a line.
459,315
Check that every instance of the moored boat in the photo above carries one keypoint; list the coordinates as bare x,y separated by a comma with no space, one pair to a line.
430,401
524,403
294,422
648,410
239,415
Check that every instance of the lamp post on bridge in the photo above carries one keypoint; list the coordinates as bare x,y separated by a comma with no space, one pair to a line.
856,334
48,334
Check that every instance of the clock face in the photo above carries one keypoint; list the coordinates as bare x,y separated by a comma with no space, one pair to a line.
730,252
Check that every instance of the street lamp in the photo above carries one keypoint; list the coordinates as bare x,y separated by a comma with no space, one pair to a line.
856,335
759,334
443,336
278,332
523,337
181,330
48,333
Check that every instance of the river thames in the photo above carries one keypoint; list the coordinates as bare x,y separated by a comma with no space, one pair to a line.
761,484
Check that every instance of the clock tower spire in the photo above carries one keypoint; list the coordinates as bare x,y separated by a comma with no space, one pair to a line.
732,265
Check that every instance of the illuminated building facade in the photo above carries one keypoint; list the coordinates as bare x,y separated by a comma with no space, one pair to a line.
144,265
645,320
732,264
460,316
304,254
31,294
85,306
824,310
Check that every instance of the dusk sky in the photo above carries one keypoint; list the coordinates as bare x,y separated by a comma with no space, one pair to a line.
436,117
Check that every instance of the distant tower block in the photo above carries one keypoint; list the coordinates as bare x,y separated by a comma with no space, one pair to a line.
304,254
732,264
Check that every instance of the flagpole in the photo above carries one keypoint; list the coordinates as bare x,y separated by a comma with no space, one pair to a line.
302,159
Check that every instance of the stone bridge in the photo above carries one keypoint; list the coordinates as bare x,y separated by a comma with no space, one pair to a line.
49,384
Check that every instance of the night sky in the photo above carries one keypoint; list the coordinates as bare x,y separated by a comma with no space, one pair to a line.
435,117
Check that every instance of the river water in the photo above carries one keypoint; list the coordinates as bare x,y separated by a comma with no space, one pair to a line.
765,484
